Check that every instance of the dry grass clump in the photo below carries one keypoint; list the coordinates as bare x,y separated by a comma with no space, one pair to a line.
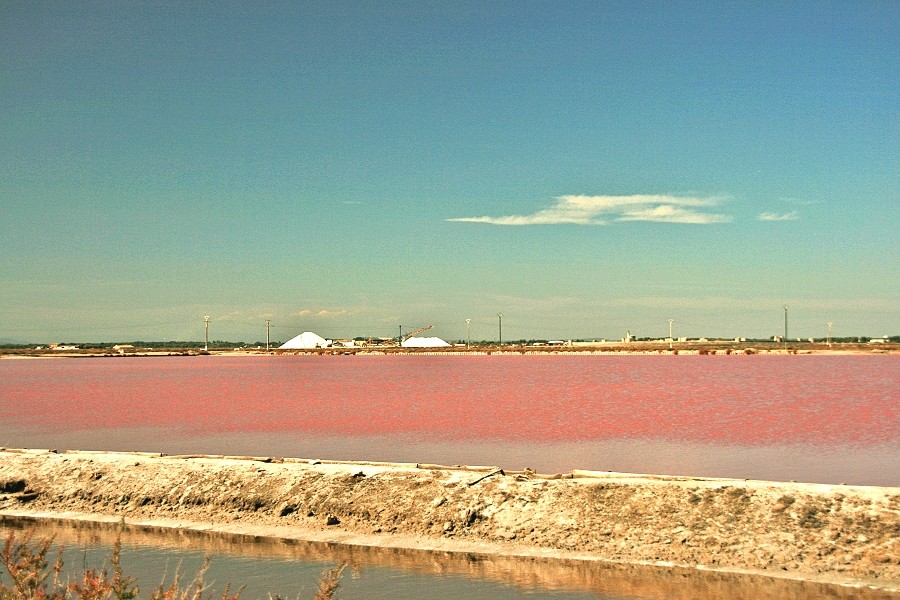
329,583
33,577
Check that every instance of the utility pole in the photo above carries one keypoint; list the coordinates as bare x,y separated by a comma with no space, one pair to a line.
267,335
468,333
670,334
206,343
785,326
828,339
500,321
400,337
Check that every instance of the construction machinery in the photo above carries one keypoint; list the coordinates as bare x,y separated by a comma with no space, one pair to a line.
406,336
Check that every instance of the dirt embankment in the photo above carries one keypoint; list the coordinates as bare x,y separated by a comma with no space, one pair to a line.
843,534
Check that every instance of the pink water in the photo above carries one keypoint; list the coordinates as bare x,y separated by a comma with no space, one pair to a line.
828,419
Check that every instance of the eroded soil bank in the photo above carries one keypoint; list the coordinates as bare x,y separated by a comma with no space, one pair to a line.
840,534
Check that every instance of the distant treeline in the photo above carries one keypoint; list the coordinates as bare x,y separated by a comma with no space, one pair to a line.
143,344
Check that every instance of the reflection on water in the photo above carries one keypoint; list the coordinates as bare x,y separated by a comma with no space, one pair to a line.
869,465
292,567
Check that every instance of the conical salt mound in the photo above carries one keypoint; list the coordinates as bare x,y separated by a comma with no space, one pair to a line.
424,342
305,341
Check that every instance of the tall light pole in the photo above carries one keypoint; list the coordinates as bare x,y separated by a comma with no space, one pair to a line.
500,322
828,339
785,326
206,343
468,333
670,334
267,335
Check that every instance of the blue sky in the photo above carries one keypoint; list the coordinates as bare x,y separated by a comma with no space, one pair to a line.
350,167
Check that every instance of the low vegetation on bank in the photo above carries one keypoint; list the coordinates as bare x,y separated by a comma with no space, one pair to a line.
33,576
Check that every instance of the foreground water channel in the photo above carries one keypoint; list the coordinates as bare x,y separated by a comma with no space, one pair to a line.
291,569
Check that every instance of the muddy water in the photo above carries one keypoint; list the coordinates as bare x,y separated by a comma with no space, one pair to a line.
823,418
291,569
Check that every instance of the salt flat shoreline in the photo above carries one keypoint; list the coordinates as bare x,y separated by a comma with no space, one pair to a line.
893,350
847,535
642,348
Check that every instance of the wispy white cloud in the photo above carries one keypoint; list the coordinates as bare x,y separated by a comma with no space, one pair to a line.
234,315
770,304
601,210
532,304
797,201
667,213
322,314
788,216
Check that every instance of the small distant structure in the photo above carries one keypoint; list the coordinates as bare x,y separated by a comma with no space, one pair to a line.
881,340
306,341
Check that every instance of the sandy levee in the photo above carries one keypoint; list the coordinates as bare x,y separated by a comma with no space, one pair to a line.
834,533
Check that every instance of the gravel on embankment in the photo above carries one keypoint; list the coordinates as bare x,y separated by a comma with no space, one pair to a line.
834,533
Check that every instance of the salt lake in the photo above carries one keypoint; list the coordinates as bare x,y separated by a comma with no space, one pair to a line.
817,418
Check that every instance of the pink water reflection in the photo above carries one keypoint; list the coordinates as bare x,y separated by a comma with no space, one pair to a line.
554,410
